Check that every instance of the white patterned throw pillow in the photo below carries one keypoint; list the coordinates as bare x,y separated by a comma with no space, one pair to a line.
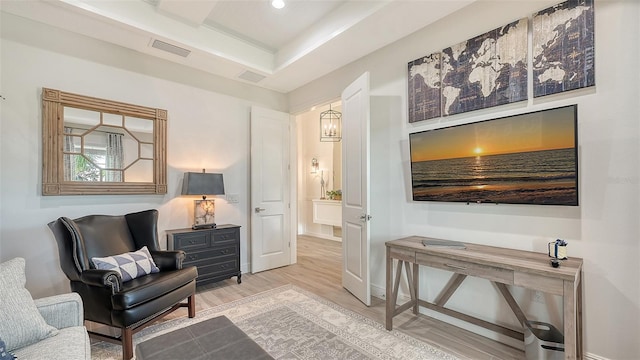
129,265
21,323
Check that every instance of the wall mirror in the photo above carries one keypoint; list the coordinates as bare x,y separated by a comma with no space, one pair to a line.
96,146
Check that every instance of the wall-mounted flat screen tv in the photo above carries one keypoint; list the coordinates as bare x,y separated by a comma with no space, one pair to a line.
530,158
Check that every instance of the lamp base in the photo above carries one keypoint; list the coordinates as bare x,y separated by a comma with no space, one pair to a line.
203,226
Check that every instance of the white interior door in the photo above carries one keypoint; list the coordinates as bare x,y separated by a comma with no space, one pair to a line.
270,190
355,196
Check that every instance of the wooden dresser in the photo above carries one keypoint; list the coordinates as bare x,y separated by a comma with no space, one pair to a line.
216,252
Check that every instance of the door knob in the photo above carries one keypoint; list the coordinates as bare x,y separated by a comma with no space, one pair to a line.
365,217
258,209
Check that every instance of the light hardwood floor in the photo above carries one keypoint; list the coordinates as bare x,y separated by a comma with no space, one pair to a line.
319,270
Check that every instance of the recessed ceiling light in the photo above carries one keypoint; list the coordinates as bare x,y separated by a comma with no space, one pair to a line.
278,4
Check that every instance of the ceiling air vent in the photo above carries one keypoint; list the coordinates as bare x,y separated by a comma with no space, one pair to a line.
251,76
170,48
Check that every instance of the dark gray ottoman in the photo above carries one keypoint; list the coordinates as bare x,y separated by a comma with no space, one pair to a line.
216,338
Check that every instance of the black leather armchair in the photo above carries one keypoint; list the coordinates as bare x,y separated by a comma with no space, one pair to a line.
108,300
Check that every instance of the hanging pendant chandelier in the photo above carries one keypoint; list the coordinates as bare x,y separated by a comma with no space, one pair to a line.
330,125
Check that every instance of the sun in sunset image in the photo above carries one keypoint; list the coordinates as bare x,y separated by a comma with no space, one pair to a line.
477,151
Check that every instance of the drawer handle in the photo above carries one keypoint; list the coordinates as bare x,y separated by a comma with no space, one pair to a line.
192,242
225,251
456,267
193,257
224,266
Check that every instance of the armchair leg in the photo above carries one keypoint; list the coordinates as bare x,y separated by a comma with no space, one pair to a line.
191,303
127,343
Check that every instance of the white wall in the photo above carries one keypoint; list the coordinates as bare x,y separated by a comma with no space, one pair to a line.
206,129
603,230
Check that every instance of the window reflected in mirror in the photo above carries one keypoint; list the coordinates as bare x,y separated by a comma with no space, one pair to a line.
107,147
104,147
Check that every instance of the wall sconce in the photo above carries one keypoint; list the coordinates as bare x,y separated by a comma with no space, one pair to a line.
315,166
330,125
203,184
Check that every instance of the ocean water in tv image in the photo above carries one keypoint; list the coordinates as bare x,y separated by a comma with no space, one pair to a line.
535,177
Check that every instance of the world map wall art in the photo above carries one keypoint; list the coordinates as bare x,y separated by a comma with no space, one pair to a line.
486,71
563,48
424,88
491,69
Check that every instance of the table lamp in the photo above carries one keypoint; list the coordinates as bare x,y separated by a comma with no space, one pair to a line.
203,184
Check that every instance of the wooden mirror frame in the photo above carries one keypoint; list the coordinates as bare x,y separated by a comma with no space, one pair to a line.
53,183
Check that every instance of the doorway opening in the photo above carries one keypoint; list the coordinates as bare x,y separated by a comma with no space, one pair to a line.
319,177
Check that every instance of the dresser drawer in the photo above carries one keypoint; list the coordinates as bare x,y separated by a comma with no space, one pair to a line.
221,266
191,241
504,276
222,236
210,254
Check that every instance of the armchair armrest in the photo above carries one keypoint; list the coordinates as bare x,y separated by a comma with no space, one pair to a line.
168,259
61,311
102,278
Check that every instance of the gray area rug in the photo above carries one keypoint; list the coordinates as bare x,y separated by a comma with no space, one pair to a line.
291,323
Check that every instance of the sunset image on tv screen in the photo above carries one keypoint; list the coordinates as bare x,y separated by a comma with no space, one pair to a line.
523,159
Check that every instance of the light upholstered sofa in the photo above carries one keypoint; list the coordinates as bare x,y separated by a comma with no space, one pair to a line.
65,313
47,328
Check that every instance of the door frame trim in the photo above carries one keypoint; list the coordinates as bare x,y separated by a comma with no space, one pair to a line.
293,189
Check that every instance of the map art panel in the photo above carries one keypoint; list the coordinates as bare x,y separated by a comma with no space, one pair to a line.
424,88
485,71
563,48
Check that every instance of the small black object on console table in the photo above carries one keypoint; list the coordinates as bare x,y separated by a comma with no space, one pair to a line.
215,251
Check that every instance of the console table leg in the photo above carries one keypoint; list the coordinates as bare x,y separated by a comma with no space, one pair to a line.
416,307
390,303
411,280
570,321
396,284
579,314
407,269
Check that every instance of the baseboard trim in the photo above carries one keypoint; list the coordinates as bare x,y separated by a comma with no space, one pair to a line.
323,236
590,356
381,293
378,291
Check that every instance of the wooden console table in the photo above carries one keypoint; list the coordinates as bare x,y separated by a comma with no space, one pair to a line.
499,265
